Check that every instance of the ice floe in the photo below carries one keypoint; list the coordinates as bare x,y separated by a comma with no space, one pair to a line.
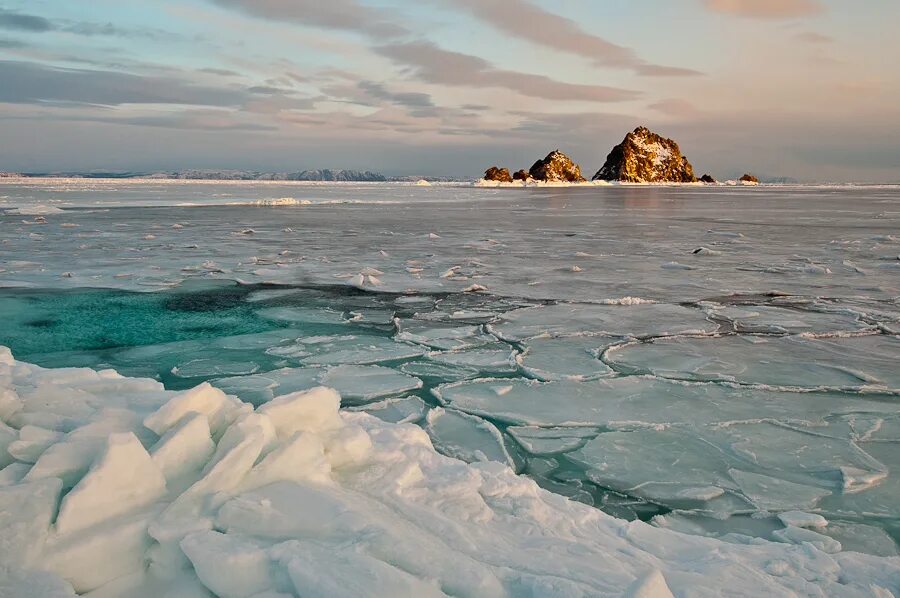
179,508
637,319
858,362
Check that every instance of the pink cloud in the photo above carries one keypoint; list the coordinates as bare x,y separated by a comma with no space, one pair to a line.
766,9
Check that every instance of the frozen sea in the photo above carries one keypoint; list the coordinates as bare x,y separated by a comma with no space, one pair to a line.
719,361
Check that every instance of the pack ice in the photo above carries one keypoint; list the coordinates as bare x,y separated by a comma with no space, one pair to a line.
113,486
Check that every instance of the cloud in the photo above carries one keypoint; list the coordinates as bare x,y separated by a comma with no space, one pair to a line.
371,93
409,99
220,72
811,37
342,15
22,22
524,20
432,64
766,9
33,83
199,120
35,24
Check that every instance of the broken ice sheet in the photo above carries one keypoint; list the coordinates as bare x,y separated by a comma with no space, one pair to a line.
436,336
262,388
565,357
633,402
551,441
800,456
668,467
794,361
207,368
638,320
466,437
488,359
303,315
363,383
791,321
773,494
735,528
874,495
438,372
346,349
370,315
402,410
859,537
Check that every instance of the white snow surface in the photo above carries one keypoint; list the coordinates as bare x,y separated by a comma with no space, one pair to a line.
146,492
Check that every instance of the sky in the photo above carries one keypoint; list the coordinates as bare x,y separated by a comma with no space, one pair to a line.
806,89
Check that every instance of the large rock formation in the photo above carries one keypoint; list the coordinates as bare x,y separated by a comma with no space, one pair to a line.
522,175
645,157
749,179
498,174
707,178
556,167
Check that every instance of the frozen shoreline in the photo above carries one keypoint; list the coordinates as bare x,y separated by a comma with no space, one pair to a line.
186,491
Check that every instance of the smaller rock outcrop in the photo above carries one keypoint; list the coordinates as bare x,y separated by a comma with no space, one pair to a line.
645,157
498,174
749,179
556,167
707,178
522,175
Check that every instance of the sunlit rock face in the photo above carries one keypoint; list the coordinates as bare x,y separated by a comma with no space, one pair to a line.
645,157
498,174
557,167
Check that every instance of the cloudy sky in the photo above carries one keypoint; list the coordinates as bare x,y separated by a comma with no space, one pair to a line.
799,88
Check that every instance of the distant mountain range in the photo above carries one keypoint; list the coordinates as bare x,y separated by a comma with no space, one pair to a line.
338,175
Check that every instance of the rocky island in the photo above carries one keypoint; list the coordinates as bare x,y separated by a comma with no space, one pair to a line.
556,167
645,157
501,175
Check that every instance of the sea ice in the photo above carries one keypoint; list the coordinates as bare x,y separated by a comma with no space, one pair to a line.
124,478
438,371
260,388
442,337
210,368
633,320
551,441
402,410
486,359
666,467
771,319
576,358
794,361
380,507
363,383
768,493
466,437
